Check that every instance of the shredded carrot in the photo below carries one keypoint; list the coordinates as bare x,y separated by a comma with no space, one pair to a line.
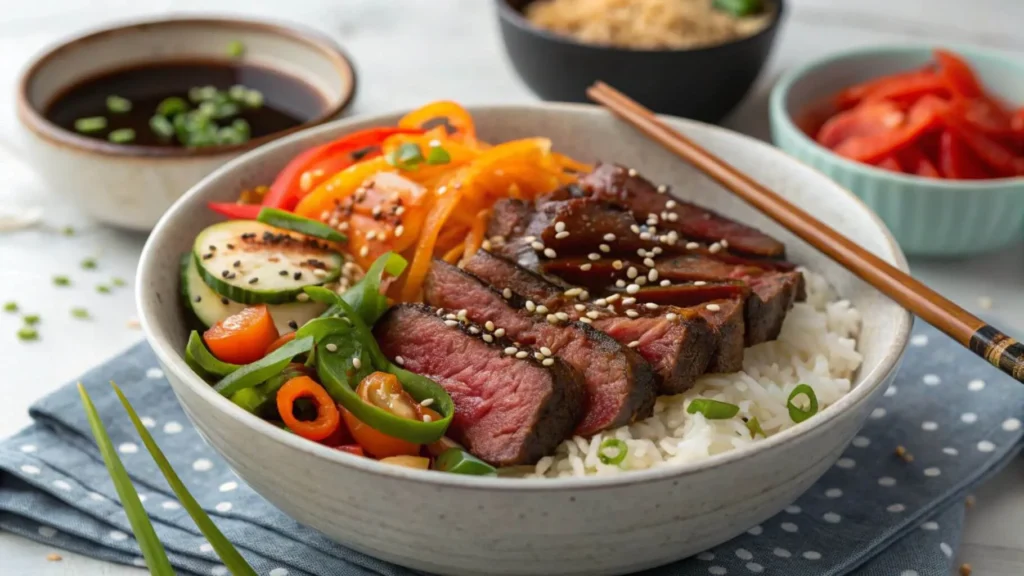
475,239
447,198
455,254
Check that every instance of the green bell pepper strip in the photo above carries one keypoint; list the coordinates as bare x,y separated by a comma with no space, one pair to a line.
203,362
335,371
365,296
263,369
458,461
249,399
301,224
261,398
318,328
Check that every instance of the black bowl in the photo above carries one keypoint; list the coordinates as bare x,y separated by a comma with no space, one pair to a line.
702,83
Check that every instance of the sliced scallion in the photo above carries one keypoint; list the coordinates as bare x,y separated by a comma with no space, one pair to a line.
242,127
738,8
67,231
30,319
11,307
61,280
237,93
408,156
202,93
89,264
172,106
118,105
437,155
27,334
612,451
122,136
797,413
91,124
103,289
161,126
228,135
117,281
236,48
80,313
253,99
713,409
755,428
208,108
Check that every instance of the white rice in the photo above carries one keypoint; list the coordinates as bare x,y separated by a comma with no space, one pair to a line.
817,347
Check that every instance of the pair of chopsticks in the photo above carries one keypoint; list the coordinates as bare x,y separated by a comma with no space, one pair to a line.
997,348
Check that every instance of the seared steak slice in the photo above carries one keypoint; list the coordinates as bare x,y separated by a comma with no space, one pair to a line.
508,410
626,188
726,318
620,384
677,343
691,294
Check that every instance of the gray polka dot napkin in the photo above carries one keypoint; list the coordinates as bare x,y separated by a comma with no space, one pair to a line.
875,513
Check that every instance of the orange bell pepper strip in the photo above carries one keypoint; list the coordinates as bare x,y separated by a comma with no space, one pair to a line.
242,338
326,196
446,198
328,418
958,74
454,118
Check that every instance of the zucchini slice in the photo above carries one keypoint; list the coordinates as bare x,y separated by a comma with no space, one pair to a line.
210,307
252,263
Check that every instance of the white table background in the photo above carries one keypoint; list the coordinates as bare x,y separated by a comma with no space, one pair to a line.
408,52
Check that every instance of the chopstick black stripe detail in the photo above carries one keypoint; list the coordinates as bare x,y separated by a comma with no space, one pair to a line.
999,350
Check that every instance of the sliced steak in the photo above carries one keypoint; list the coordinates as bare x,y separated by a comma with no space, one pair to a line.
508,410
726,318
691,294
677,343
631,191
620,384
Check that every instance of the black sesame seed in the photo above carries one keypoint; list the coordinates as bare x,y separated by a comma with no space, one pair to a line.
224,274
231,276
253,280
231,246
207,256
237,263
199,298
224,301
293,324
282,273
213,248
297,275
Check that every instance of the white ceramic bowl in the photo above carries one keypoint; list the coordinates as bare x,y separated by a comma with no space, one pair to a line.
452,524
132,186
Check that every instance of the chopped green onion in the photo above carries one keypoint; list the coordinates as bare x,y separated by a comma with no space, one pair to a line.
80,313
253,99
122,136
61,280
169,107
208,108
237,93
236,48
796,413
228,135
118,105
242,127
202,93
11,307
738,8
618,448
27,334
117,281
103,289
713,409
91,124
408,156
755,428
67,231
226,110
89,264
161,126
31,319
437,155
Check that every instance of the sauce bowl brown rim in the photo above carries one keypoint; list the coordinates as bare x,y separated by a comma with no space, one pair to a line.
35,121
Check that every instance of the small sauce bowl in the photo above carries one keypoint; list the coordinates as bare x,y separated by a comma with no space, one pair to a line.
131,185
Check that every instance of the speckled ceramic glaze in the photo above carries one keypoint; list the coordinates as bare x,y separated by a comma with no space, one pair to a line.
132,186
928,217
464,525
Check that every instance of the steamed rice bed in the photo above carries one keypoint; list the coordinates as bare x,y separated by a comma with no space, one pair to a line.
817,347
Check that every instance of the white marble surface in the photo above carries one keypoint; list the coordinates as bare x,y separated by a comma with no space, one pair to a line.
408,52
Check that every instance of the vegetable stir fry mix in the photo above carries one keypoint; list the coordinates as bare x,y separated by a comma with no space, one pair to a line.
936,122
287,310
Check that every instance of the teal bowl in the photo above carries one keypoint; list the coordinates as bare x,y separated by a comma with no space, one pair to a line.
927,216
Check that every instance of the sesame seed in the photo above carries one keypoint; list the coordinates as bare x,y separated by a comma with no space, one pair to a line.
511,350
399,230
548,361
672,216
401,362
302,297
293,324
489,326
552,319
331,347
632,313
319,273
506,293
714,307
357,363
542,309
297,275
451,323
488,338
499,332
724,243
594,256
580,307
609,237
670,204
656,250
584,296
586,320
562,316
631,172
561,235
343,226
440,312
325,215
612,298
628,301
641,280
400,210
254,280
670,316
529,238
600,302
645,235
651,306
700,283
604,248
715,248
531,306
665,282
282,273
586,267
549,253
652,275
538,246
371,234
641,253
633,288
450,316
559,226
364,251
427,418
545,350
634,228
593,314
633,344
426,401
662,189
538,355
522,354
631,272
649,262
618,264
486,245
474,330
692,245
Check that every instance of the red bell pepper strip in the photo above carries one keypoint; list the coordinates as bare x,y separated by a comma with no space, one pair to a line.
331,158
915,162
909,88
958,74
853,95
354,449
890,163
236,211
988,116
999,158
923,117
865,120
957,161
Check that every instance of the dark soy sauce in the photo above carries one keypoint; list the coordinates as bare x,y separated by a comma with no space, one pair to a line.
287,101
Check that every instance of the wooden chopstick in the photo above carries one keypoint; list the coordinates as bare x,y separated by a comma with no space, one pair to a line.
994,346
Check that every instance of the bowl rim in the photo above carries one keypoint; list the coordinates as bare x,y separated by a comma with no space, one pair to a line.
516,18
35,120
174,361
779,113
